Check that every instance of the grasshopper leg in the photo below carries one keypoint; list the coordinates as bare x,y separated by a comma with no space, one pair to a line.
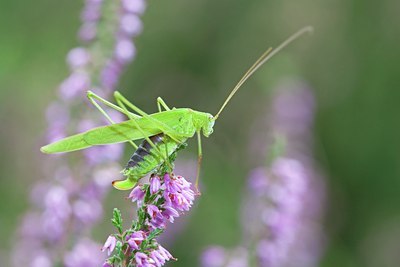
93,98
122,102
199,160
161,102
173,134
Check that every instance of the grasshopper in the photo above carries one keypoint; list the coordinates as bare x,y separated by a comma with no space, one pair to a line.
163,132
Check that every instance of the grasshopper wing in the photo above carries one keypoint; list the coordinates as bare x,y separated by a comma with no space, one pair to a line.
115,133
172,122
71,143
120,132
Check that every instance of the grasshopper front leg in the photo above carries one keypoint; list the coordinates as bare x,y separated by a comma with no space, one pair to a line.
199,160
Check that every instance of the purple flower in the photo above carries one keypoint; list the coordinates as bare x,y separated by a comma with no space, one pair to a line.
70,202
41,260
124,51
171,184
75,84
282,208
135,239
85,253
178,193
214,256
160,256
57,202
156,218
169,213
109,245
78,57
87,211
107,264
134,6
92,11
142,260
154,184
257,182
110,74
137,194
131,24
88,31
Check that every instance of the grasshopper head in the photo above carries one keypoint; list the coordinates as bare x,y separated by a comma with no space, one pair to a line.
203,121
208,125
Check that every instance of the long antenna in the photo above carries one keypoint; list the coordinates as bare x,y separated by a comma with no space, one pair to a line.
264,58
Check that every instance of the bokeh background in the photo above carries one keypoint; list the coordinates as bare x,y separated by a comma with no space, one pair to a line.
191,53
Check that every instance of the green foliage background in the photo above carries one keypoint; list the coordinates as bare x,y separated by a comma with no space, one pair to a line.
191,53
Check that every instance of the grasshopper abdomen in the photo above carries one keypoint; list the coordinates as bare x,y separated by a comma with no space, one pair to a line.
145,150
146,159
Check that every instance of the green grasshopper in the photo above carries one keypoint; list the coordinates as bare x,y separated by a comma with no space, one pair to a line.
163,132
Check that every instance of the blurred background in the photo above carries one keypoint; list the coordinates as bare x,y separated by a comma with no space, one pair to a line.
191,53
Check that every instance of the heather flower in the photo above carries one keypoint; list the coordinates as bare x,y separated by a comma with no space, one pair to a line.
85,253
88,31
142,260
156,218
78,57
69,204
135,239
169,213
154,184
164,253
41,260
153,214
178,193
109,245
131,25
137,194
214,256
110,74
134,6
92,11
124,51
74,85
87,211
282,206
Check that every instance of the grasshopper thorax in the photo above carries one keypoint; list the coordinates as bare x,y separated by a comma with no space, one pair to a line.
203,121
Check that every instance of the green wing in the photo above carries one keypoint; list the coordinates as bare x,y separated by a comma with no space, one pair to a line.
178,119
72,143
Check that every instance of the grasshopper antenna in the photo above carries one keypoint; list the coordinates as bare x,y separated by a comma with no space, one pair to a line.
264,58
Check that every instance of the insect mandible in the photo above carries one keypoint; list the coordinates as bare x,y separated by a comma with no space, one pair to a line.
163,132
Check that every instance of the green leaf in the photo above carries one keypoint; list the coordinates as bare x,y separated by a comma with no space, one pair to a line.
117,220
155,233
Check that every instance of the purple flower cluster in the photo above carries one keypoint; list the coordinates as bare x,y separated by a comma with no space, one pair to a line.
69,203
156,257
175,194
129,25
281,214
159,202
63,209
217,256
283,204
